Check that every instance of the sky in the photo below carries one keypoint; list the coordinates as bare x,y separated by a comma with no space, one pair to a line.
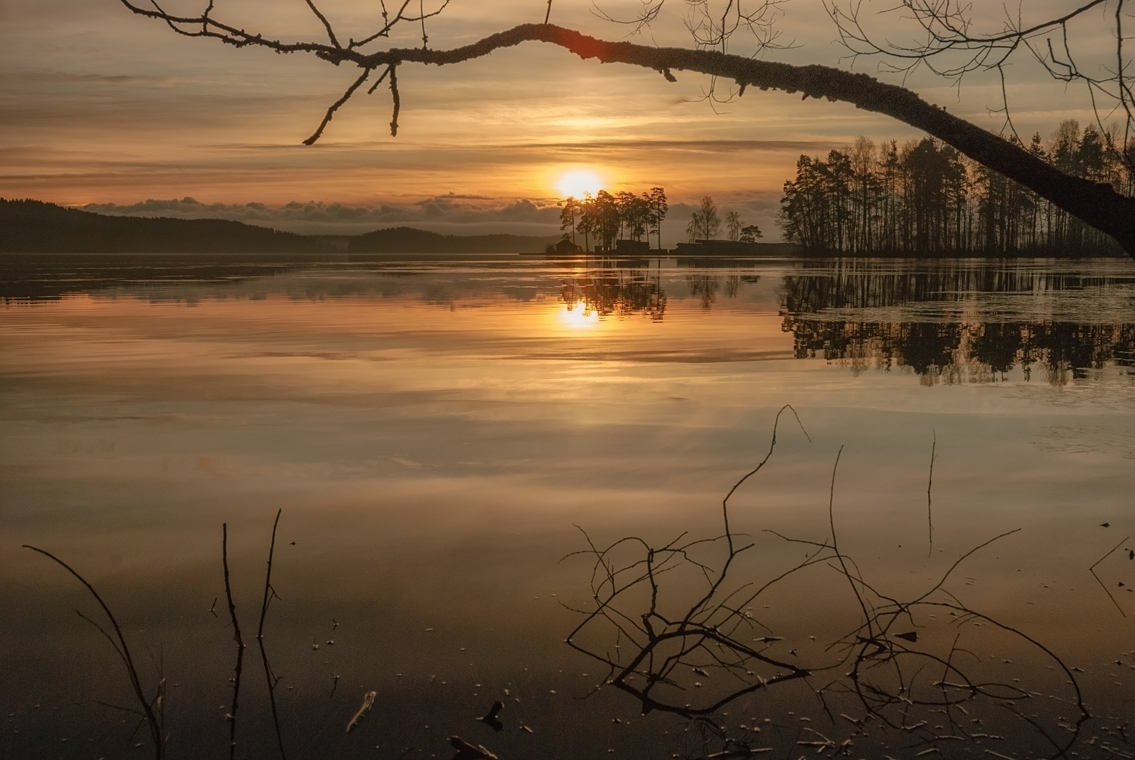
103,109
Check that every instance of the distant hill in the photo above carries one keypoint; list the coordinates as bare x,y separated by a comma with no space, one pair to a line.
28,226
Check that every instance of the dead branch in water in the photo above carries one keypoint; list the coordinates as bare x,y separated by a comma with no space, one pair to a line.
272,679
1092,570
239,667
368,703
896,668
122,649
929,486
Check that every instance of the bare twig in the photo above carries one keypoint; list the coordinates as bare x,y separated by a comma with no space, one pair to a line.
272,680
335,107
326,23
1092,570
239,667
123,651
368,703
397,99
929,486
1096,203
884,664
952,47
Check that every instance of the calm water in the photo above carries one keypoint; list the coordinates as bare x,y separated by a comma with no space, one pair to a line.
442,436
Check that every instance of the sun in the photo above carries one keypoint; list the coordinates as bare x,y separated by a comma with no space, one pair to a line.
578,183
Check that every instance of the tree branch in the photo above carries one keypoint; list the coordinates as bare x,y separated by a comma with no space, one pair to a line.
1097,204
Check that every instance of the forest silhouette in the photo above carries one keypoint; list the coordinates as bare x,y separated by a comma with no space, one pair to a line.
925,198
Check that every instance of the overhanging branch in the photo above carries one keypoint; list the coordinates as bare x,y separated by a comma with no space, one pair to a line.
1096,204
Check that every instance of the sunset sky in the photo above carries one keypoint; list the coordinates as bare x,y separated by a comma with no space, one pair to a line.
100,107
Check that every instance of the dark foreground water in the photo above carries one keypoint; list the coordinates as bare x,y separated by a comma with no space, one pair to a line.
452,444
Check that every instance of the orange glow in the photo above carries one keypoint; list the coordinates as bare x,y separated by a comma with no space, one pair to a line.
578,183
578,317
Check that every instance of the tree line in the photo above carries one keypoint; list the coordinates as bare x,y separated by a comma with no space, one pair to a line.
607,218
705,224
926,198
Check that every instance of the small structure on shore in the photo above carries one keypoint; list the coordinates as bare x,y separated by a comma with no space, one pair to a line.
564,247
631,246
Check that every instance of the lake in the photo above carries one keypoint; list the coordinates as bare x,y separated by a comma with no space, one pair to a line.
451,445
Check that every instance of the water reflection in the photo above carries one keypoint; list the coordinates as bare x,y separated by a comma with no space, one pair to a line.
962,321
43,277
615,290
946,321
435,430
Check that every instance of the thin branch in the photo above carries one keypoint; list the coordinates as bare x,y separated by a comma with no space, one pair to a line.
269,592
326,23
397,100
335,107
839,555
123,650
1092,570
929,486
239,667
1097,204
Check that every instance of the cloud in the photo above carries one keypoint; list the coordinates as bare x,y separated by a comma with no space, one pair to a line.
450,213
693,146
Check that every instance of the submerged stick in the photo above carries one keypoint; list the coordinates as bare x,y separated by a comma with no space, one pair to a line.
238,669
368,703
755,470
269,592
930,485
1092,570
121,648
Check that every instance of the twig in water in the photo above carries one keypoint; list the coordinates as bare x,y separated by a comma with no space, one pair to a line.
368,703
883,664
123,651
238,669
930,485
467,751
269,593
1092,570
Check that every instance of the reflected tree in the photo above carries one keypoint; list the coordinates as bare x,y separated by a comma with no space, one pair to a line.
616,291
704,286
984,346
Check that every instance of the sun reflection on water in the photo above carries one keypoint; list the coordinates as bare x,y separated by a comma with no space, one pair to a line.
578,316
